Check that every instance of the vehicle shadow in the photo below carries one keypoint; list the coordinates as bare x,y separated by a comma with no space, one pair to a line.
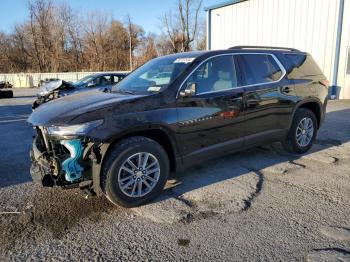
25,96
15,143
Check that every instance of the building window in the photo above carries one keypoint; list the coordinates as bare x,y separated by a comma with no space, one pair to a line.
348,63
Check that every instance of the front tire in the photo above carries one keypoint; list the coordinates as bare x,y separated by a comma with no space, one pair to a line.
302,133
134,172
6,94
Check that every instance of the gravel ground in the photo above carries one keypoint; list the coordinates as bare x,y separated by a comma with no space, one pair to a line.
260,204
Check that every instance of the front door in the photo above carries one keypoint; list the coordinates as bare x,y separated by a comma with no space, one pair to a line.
210,120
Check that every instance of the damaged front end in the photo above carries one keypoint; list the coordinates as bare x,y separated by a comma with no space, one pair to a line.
42,99
66,158
51,91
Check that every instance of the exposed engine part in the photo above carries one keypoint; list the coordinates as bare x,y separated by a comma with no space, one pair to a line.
44,99
73,170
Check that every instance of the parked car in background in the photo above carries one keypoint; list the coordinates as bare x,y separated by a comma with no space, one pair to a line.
58,88
46,80
5,85
5,89
124,143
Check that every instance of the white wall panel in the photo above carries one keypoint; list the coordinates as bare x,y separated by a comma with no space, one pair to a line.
308,25
343,79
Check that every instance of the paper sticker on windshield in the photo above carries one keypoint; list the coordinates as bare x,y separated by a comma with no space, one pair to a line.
184,60
153,89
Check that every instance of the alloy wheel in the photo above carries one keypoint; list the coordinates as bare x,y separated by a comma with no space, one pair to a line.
139,174
305,132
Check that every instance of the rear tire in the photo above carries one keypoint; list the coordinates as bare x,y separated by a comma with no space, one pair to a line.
134,171
302,133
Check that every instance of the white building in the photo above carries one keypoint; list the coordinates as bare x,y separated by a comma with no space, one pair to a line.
319,27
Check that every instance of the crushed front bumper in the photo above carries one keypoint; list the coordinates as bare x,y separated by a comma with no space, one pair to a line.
55,168
40,169
66,162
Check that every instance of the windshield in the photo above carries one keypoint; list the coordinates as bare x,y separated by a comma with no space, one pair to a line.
153,76
84,80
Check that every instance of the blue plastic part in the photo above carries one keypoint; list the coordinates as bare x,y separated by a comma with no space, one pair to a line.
70,166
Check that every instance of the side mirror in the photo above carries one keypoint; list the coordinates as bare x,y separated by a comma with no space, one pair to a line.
190,90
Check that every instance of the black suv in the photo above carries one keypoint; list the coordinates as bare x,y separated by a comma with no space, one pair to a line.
173,112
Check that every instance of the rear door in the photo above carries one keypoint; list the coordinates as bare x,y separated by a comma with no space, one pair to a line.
209,122
268,96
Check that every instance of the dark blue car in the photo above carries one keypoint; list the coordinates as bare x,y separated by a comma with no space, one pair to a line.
55,89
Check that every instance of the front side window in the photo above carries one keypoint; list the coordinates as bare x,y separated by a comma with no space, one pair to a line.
217,74
259,68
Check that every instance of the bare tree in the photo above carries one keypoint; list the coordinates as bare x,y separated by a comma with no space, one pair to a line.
95,29
55,38
42,28
181,27
147,50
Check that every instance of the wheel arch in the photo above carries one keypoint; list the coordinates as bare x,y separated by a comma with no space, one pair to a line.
158,133
313,105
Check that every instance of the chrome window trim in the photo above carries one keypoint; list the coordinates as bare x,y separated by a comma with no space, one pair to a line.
284,72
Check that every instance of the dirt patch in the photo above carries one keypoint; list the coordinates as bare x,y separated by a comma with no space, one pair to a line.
183,242
53,212
205,194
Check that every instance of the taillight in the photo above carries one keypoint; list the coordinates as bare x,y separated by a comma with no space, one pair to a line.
325,83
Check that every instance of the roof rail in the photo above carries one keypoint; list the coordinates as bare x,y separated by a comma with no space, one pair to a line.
264,47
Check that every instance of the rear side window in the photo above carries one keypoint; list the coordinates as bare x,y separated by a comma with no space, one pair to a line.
305,65
259,69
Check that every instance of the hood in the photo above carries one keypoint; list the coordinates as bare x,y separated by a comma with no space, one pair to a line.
63,110
53,85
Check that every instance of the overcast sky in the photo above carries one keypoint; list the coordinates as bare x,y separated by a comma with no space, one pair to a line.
144,12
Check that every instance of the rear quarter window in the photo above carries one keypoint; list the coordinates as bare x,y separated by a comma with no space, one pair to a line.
302,65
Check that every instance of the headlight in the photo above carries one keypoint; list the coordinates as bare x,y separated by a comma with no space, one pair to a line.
81,129
43,93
